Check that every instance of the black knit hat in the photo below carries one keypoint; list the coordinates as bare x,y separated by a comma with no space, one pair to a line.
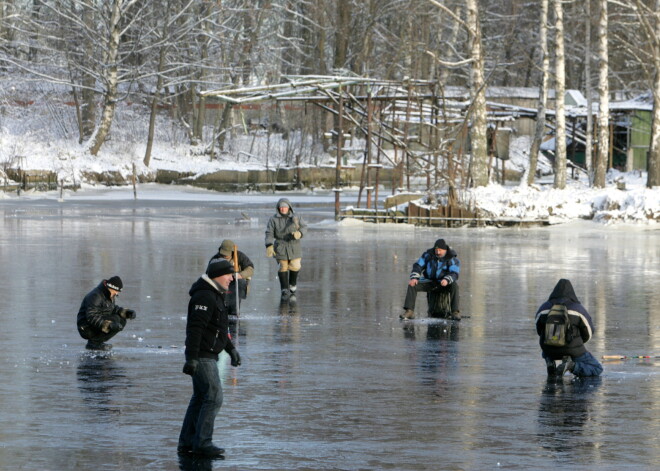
114,283
440,244
218,267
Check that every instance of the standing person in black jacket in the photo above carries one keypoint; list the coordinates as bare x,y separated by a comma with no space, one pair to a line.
99,319
573,355
244,274
206,336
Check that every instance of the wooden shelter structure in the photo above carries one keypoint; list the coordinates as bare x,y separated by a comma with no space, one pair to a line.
411,125
419,128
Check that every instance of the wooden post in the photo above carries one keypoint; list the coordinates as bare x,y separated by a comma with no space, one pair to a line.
611,149
340,145
406,138
369,137
377,178
134,180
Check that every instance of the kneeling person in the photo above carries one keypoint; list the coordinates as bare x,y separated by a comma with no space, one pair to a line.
99,319
564,326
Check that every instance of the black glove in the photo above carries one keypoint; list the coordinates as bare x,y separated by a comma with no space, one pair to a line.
235,357
111,326
190,367
129,314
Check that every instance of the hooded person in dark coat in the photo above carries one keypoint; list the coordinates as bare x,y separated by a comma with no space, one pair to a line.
99,318
573,355
283,233
436,270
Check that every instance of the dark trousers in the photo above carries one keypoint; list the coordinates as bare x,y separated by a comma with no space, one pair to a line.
585,365
205,403
97,336
230,298
428,286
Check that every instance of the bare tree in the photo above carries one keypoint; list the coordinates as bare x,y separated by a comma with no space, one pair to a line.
543,96
649,19
653,178
478,129
588,145
560,91
604,99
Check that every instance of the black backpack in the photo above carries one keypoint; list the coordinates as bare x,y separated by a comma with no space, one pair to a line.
557,327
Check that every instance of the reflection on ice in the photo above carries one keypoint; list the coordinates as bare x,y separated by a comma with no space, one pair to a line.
333,380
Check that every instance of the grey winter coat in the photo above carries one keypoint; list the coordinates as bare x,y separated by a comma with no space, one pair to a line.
279,232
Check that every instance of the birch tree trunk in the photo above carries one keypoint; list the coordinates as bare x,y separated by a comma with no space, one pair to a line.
589,145
539,132
154,107
560,91
653,177
604,97
111,80
478,129
88,94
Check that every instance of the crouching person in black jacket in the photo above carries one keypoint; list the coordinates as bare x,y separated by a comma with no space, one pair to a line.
564,326
99,319
206,336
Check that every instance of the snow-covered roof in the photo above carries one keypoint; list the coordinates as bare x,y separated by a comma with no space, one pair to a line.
642,102
575,98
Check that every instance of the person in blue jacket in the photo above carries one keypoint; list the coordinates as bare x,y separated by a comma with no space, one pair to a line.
573,355
436,270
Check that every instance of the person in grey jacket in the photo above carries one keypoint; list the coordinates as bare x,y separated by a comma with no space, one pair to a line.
283,234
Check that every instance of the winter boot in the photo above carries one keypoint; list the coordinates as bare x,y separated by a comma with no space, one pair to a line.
210,451
552,367
408,314
293,278
284,283
567,364
104,347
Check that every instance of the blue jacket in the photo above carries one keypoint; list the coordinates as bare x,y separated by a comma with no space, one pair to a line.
430,267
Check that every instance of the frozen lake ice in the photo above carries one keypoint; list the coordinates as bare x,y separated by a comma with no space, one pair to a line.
335,381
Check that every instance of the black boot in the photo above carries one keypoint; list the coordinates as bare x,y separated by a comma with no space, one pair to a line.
101,346
567,364
293,278
284,283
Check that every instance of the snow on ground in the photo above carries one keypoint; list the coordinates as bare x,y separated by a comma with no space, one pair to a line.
42,140
634,203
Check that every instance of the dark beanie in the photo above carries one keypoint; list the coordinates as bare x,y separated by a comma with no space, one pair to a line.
114,283
218,267
440,244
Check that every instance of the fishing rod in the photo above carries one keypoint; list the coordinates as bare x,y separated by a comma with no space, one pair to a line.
236,278
624,357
